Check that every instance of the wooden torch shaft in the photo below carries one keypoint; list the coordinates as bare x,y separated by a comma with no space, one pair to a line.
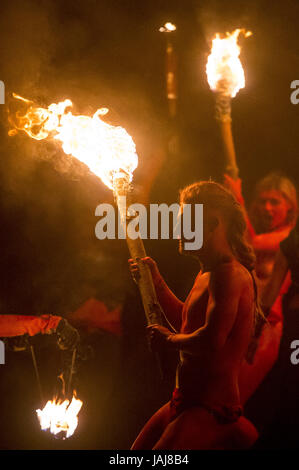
223,116
137,251
171,77
229,149
145,282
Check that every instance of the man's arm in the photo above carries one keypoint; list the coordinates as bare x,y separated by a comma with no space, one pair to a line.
225,291
235,186
19,325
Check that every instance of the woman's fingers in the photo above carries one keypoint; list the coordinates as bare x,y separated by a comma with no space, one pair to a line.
135,264
152,326
149,261
134,269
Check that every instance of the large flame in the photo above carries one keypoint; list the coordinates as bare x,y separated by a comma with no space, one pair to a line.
58,416
224,69
107,150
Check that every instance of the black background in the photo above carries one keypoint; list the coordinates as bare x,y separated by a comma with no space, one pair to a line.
110,53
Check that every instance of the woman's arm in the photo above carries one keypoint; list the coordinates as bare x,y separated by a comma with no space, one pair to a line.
235,186
278,275
269,241
225,288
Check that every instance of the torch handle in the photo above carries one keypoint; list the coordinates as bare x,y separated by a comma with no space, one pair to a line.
147,290
223,116
229,148
171,77
152,309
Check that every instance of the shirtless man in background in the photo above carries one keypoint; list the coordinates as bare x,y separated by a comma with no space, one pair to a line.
216,324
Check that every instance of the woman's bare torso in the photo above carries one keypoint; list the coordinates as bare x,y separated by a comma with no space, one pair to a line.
212,377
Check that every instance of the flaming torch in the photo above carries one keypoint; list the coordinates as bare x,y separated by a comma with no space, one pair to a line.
109,152
226,77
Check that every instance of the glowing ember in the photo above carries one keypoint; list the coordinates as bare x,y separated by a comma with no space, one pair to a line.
167,28
60,416
107,150
224,69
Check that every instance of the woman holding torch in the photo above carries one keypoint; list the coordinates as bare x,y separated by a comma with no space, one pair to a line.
216,325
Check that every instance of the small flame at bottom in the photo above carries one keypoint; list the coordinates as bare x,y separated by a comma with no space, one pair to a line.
58,416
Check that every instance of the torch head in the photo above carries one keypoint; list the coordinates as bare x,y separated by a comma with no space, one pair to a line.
167,28
224,70
108,151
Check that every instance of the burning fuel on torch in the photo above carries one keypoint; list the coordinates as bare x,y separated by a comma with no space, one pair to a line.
60,417
226,77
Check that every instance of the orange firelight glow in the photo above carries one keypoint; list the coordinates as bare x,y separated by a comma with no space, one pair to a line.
224,69
107,150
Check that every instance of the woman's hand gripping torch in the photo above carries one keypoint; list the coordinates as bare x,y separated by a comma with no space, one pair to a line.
226,77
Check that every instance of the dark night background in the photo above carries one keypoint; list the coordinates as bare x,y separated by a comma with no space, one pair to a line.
110,53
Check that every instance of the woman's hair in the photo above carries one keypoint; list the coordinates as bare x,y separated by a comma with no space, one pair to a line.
278,182
215,196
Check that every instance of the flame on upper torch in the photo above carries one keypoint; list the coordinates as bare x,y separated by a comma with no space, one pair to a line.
167,28
58,416
224,69
106,149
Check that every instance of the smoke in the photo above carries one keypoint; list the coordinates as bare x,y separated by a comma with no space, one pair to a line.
27,43
225,16
81,50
